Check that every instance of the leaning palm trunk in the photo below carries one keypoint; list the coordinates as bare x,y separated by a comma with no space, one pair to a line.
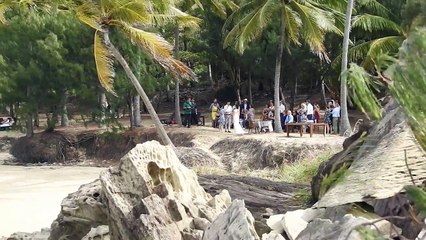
344,118
160,129
277,126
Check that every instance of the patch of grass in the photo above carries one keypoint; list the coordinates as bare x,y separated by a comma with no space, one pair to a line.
333,179
302,171
303,196
206,170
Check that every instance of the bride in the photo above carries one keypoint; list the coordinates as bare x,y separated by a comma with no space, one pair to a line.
236,119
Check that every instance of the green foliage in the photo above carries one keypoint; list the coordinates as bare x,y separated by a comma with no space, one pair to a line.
362,88
333,179
418,196
303,196
367,233
409,85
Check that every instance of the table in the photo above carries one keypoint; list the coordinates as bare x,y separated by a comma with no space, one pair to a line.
310,125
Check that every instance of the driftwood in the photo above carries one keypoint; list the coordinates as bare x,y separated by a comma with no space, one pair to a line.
257,193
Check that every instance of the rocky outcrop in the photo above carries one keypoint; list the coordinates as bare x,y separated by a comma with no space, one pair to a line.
98,233
235,223
374,166
151,195
80,211
42,235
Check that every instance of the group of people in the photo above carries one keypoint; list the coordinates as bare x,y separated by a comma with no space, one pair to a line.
243,115
239,115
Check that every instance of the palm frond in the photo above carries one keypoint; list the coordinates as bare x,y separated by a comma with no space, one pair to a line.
104,64
312,33
371,23
292,24
154,44
177,69
218,8
3,9
361,86
250,26
388,45
131,12
375,7
88,15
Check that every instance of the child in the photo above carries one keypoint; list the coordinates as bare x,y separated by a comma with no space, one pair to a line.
221,119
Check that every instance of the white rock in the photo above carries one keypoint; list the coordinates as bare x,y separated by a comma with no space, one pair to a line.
151,195
294,222
235,223
98,233
275,223
272,236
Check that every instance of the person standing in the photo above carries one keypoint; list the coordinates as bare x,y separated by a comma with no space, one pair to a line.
282,113
244,108
228,116
214,108
309,110
317,113
238,130
187,108
194,113
336,118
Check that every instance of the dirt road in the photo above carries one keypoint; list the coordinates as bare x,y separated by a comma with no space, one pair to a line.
30,197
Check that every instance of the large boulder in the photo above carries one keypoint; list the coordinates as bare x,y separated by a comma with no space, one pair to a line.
151,195
375,166
80,211
235,223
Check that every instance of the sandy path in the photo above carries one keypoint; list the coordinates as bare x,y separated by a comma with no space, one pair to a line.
30,197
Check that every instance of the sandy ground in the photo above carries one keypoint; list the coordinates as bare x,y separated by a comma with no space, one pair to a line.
30,197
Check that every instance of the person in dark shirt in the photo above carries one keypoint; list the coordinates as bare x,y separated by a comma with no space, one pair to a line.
187,109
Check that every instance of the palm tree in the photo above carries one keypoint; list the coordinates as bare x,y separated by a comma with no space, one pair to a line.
299,19
344,118
131,16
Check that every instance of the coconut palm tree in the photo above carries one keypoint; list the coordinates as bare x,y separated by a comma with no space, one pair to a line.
299,19
344,118
132,17
375,18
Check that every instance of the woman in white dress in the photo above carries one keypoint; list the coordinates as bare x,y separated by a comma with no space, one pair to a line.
236,119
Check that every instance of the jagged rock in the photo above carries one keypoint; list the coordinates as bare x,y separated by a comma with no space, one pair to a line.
42,235
373,167
272,236
274,222
294,222
80,211
235,223
346,228
98,233
151,195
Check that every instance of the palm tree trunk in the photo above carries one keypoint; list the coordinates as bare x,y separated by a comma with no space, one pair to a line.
249,89
160,129
277,127
211,76
177,91
344,118
137,121
104,105
29,121
64,111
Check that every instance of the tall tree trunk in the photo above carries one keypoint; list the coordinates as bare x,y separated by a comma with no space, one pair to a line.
131,112
29,119
104,105
277,127
238,81
211,75
160,129
137,121
294,93
64,111
344,118
324,99
177,91
250,93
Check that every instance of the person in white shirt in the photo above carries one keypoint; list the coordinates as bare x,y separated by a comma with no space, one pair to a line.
282,113
228,116
336,118
309,110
